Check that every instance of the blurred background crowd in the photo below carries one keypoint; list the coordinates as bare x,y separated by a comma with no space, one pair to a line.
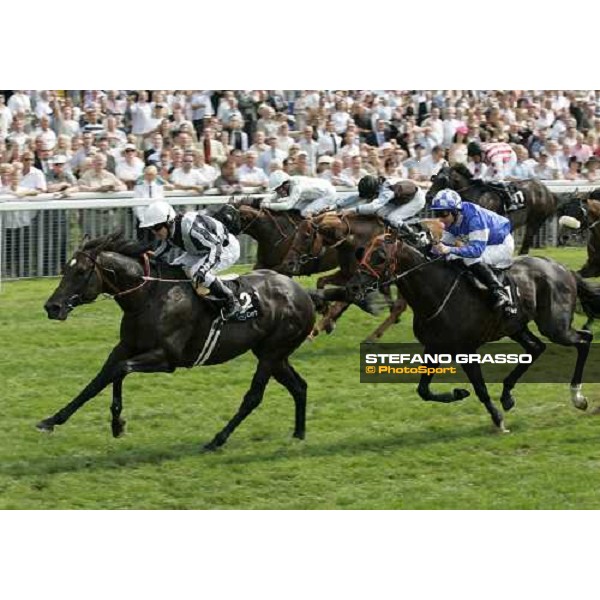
102,141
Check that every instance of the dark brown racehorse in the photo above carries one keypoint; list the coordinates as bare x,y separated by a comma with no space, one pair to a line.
540,202
166,326
454,317
274,232
587,212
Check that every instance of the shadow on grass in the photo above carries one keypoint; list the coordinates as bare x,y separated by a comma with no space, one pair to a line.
228,455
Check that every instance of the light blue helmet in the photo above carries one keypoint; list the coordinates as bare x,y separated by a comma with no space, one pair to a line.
447,200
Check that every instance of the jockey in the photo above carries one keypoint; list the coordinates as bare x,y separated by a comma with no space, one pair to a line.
309,195
499,159
208,247
490,242
393,202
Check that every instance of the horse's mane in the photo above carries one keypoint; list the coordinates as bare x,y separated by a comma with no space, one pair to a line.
116,242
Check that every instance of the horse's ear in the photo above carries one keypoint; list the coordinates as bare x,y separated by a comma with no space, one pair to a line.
360,253
84,240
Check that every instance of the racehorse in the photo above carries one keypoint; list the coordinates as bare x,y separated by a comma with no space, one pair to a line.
454,317
540,202
166,325
344,233
274,232
586,212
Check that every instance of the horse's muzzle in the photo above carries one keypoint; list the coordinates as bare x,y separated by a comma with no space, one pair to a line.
57,311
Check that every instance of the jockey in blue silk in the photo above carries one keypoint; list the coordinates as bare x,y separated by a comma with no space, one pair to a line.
486,240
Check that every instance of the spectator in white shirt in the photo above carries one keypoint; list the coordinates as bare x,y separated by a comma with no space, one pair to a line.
150,186
250,175
284,140
19,102
207,171
140,112
270,155
432,164
188,178
542,169
335,175
130,167
356,171
329,141
307,144
32,178
6,117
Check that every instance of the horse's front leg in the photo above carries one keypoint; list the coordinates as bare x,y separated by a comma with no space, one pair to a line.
150,362
103,378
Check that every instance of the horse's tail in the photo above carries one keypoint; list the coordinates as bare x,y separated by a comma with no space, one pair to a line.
589,295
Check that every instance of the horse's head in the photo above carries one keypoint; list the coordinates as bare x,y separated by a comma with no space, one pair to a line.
379,262
80,284
307,246
95,268
455,177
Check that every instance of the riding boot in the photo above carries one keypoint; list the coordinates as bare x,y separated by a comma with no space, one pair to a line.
486,275
220,290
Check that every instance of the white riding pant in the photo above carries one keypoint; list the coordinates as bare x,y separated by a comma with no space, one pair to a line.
498,255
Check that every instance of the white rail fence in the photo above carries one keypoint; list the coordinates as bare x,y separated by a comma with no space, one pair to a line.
37,235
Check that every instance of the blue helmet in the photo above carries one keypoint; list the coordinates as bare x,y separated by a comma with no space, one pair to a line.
447,200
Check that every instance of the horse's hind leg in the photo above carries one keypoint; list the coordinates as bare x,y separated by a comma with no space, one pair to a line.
473,371
581,340
251,400
296,386
535,347
117,424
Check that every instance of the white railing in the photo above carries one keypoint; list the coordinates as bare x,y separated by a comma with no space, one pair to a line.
43,248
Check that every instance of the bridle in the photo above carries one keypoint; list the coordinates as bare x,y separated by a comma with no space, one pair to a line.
389,267
98,270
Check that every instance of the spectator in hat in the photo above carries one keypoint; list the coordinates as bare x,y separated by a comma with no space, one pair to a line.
60,179
98,179
130,167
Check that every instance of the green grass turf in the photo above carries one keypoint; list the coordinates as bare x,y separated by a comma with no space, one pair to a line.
367,446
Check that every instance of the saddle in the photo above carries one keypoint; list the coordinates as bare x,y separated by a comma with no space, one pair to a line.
503,275
244,292
512,196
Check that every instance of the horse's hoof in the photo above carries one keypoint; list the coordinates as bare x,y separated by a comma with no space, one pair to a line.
211,446
507,401
460,393
45,426
501,428
299,435
118,428
581,403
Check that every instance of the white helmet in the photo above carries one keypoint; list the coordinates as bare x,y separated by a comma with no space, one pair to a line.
158,212
277,179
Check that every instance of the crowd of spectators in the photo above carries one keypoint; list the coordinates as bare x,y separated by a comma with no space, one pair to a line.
107,141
